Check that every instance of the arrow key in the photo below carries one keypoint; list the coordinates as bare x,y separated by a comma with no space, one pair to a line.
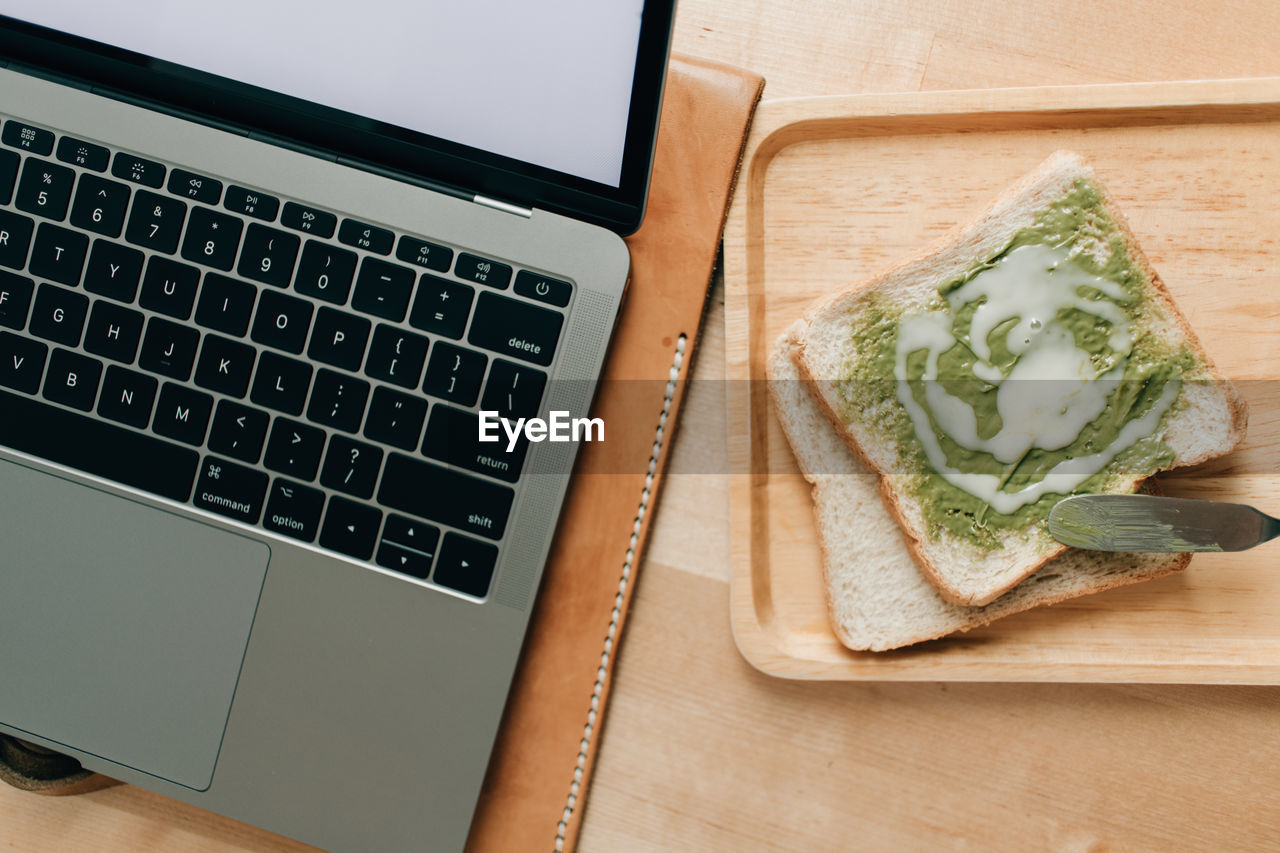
294,510
403,560
350,528
412,534
465,564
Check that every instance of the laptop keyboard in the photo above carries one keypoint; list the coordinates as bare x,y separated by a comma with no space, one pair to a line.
263,359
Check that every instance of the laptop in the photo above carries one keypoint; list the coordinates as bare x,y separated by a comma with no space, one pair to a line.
262,268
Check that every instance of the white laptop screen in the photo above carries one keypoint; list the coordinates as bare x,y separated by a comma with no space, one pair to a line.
546,82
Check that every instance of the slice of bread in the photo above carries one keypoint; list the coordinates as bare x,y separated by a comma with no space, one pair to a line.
876,597
982,561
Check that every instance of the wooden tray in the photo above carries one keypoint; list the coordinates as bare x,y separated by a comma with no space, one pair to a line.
835,188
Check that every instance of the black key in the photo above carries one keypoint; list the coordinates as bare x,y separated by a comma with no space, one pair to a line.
169,349
238,431
441,306
395,419
72,379
455,374
113,270
382,289
28,138
15,299
421,253
294,449
226,304
282,321
155,222
513,390
253,203
97,447
8,174
309,219
449,497
350,528
339,339
453,437
364,236
21,363
411,533
100,205
403,560
44,189
199,188
281,383
169,287
325,272
212,238
294,510
182,414
127,397
15,238
408,546
338,401
225,366
465,565
139,170
77,152
351,467
516,329
483,270
58,314
549,290
268,255
230,490
396,356
113,332
58,254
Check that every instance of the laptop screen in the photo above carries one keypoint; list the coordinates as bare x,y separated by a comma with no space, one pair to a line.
547,82
547,104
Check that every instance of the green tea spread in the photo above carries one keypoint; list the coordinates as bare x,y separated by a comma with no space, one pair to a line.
1032,377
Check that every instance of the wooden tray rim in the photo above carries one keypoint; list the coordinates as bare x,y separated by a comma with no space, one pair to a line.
782,122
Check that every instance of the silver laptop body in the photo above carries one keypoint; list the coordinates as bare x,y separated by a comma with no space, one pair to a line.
257,673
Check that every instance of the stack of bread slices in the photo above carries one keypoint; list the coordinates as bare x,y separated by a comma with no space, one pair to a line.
885,590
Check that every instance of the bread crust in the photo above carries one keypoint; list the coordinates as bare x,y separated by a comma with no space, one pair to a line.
969,241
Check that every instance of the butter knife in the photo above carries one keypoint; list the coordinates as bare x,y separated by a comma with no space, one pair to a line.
1147,523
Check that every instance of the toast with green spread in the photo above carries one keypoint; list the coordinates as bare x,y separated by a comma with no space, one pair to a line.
876,596
1032,354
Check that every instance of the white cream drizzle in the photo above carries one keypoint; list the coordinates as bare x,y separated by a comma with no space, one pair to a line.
1033,284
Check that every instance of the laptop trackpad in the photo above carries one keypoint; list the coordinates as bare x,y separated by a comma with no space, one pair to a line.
123,626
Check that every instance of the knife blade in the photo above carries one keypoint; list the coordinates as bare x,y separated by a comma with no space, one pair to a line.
1148,523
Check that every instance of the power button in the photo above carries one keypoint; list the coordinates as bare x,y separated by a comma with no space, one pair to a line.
542,288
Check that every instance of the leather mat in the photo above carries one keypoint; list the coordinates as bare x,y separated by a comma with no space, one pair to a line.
537,782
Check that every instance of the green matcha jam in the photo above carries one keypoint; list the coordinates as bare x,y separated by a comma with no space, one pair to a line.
1032,376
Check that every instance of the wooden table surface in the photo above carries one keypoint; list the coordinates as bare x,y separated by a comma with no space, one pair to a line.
702,753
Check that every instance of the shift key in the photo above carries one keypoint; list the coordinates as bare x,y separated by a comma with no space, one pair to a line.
448,497
515,328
